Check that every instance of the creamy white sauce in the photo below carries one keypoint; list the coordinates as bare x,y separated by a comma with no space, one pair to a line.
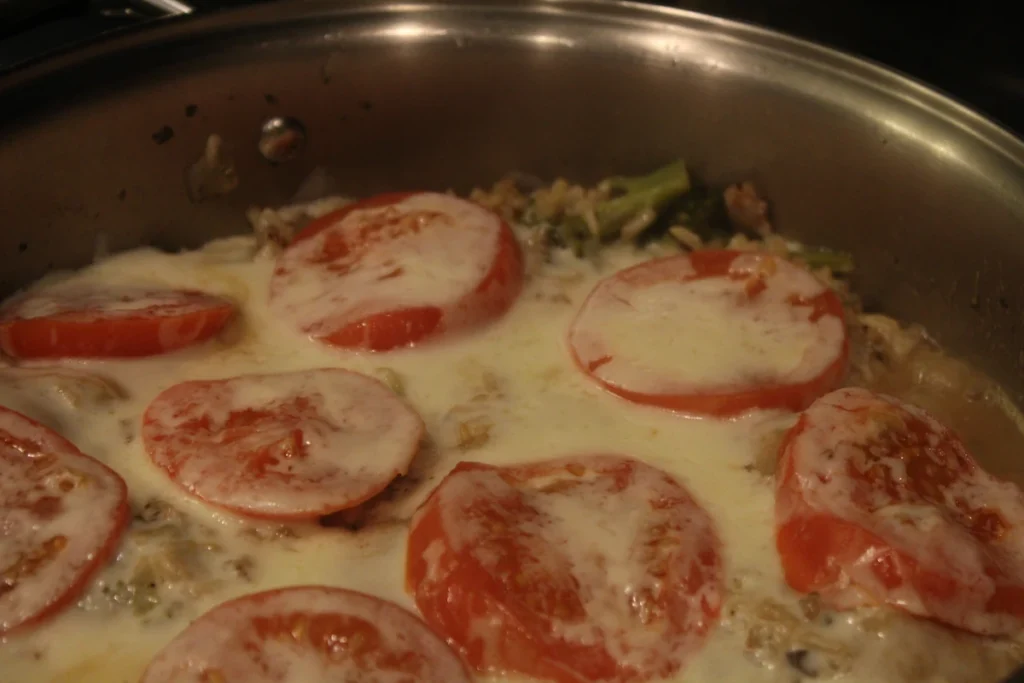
537,405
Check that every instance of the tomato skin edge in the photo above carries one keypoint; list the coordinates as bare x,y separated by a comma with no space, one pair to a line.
101,556
303,516
134,337
793,397
826,554
808,541
494,295
387,609
388,330
454,592
306,516
318,225
450,618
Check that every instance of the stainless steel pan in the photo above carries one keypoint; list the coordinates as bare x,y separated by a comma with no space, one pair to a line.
929,196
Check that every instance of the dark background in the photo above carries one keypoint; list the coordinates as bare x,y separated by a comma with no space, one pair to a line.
972,50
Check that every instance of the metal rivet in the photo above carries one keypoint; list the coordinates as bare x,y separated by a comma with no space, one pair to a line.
163,135
282,138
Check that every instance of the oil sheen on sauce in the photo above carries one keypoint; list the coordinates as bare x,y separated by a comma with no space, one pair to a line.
506,394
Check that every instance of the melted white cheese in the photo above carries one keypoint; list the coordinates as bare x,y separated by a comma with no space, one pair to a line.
351,437
58,491
120,303
842,422
682,336
293,651
412,263
608,568
541,406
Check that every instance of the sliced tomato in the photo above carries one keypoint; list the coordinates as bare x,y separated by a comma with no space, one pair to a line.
596,568
294,445
109,323
879,503
713,333
61,516
311,634
397,269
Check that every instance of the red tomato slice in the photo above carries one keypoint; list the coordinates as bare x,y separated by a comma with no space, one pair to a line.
596,568
312,634
397,269
879,503
295,445
61,516
712,333
109,323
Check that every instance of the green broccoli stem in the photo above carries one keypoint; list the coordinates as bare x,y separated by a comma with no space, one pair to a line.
839,262
666,176
641,194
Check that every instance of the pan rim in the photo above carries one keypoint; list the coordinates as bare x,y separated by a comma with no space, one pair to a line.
845,67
